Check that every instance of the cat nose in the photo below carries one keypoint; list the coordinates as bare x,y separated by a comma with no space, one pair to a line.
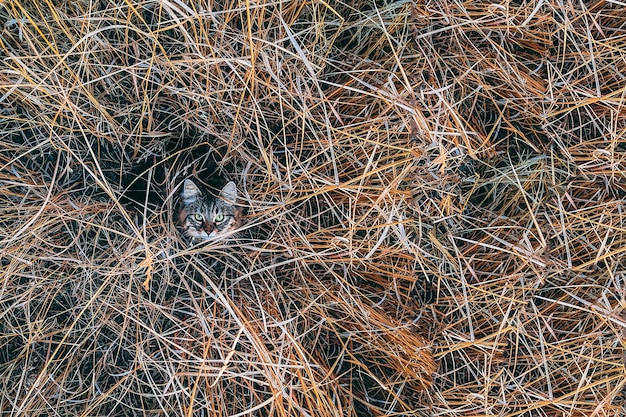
208,227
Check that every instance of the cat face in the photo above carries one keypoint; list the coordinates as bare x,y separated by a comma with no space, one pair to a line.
204,217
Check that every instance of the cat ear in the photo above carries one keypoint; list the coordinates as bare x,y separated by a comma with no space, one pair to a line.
190,191
229,193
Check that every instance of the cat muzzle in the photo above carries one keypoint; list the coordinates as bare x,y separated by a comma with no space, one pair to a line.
210,229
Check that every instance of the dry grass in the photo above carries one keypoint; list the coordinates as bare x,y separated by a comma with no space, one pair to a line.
435,198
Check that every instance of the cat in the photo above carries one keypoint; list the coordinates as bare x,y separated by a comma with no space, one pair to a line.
202,216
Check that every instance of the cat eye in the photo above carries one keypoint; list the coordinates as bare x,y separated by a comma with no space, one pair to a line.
219,217
198,217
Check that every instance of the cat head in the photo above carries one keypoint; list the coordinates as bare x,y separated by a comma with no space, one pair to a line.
202,216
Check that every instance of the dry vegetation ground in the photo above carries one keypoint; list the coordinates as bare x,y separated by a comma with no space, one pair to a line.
435,201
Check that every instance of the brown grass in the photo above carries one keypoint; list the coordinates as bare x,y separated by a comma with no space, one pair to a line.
435,196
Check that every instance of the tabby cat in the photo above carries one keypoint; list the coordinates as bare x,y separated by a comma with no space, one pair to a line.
202,216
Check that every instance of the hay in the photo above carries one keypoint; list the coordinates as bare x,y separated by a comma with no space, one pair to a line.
434,200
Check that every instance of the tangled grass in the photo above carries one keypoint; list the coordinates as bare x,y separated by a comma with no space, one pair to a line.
434,195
